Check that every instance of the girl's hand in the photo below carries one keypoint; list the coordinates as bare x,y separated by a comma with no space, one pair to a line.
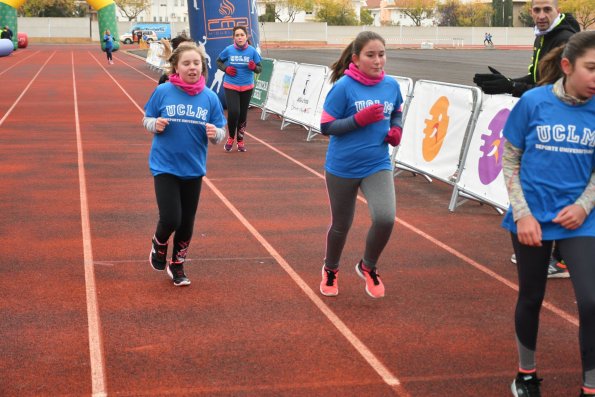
571,217
529,231
211,131
161,124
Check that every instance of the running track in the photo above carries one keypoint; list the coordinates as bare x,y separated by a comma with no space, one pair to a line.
82,313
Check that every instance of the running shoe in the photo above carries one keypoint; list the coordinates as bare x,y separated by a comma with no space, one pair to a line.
228,145
241,146
586,394
176,272
557,269
526,385
513,258
374,286
329,285
157,257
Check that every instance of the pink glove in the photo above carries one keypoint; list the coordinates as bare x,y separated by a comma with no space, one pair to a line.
251,65
369,115
230,70
394,136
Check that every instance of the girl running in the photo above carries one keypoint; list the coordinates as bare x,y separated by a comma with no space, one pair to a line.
183,115
239,61
549,164
362,114
109,45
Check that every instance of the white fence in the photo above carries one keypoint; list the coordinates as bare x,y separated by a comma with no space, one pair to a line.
84,28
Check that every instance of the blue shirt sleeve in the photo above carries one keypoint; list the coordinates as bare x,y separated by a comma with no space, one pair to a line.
517,123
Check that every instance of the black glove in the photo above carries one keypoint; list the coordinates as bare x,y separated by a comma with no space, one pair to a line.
493,83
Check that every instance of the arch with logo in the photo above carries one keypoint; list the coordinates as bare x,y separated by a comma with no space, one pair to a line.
106,15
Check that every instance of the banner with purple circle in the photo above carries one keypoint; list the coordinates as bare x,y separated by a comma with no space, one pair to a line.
482,174
211,24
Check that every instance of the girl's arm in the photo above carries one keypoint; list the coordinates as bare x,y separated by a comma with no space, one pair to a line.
155,125
221,64
587,199
511,164
215,134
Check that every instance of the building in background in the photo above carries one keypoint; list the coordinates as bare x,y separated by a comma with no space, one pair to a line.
162,11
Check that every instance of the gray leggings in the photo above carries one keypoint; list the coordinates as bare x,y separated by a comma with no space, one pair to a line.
379,190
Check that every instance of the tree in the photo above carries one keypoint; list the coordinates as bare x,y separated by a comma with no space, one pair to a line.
285,10
337,13
447,13
525,15
583,11
48,8
365,17
474,14
132,8
418,10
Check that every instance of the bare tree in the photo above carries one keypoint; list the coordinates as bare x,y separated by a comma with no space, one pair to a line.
583,10
132,8
418,10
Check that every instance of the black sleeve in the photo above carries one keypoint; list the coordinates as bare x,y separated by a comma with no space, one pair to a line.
220,64
258,68
163,78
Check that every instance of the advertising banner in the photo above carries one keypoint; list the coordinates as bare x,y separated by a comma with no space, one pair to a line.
304,94
211,24
261,87
279,86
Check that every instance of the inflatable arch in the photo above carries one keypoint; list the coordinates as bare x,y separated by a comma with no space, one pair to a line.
106,15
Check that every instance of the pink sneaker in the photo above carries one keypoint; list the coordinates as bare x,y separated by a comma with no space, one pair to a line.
374,286
329,285
228,145
241,146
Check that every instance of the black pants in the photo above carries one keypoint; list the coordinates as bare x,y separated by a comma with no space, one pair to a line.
532,263
237,112
108,52
177,200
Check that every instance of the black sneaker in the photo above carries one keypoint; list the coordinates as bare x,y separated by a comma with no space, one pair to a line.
157,257
526,385
176,272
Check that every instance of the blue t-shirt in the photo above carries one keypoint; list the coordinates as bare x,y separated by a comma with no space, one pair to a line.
108,41
558,143
181,149
361,152
239,59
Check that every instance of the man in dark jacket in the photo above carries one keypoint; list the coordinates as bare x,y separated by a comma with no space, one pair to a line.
552,29
6,33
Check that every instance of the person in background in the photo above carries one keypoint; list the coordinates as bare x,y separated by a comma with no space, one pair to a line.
240,61
109,45
6,33
552,29
362,114
183,116
549,168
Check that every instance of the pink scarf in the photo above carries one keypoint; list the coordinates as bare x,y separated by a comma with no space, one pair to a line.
191,89
361,77
240,48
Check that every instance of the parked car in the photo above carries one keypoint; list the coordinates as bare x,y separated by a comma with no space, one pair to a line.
134,36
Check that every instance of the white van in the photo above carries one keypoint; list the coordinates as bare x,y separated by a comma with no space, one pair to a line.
129,38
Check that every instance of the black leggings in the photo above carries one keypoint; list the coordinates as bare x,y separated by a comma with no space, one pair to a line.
237,111
532,263
177,200
108,52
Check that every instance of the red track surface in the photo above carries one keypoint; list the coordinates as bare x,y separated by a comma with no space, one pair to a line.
252,323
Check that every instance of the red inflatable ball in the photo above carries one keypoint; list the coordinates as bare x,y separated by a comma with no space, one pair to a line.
23,40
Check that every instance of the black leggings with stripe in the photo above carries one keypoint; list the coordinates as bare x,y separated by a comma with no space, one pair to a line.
532,262
237,111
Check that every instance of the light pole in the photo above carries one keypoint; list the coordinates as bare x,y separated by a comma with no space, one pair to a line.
503,13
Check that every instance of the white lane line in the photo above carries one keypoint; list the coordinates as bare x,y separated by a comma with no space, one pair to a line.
98,379
25,90
361,348
549,306
137,70
22,60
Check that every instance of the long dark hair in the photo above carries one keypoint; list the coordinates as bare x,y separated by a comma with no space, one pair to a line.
550,69
355,47
241,27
